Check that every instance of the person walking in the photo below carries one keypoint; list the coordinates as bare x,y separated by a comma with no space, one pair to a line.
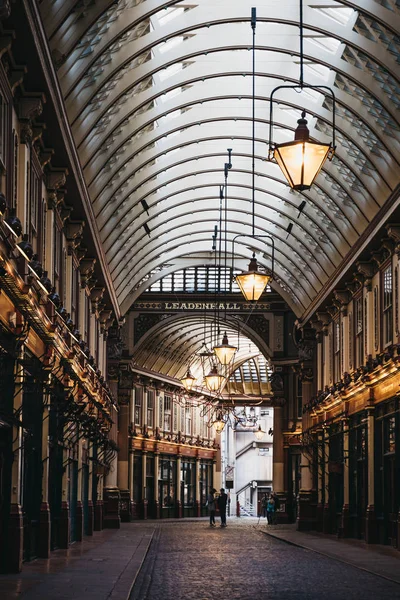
270,510
211,506
222,502
264,503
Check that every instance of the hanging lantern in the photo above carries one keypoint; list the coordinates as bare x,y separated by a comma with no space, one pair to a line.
219,423
188,380
252,283
259,433
224,352
301,160
214,380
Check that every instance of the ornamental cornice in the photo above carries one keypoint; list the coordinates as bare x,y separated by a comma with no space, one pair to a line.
343,297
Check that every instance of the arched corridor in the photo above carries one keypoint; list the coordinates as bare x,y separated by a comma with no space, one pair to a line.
199,279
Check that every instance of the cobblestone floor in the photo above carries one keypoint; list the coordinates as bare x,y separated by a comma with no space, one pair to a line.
191,561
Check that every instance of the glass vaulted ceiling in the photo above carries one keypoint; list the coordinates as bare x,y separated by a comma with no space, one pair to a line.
155,93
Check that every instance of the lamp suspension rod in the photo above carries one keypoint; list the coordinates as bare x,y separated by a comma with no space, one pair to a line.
301,45
227,167
253,26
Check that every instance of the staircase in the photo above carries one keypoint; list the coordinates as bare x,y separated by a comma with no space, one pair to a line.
247,509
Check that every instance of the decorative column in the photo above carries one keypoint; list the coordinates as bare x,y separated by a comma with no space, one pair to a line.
197,499
64,514
327,515
306,513
156,497
321,480
44,526
370,524
111,518
131,457
79,504
345,527
178,487
90,524
123,457
15,522
278,456
145,500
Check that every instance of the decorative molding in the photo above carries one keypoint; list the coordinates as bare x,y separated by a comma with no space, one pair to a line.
342,296
73,233
367,268
56,178
86,269
30,107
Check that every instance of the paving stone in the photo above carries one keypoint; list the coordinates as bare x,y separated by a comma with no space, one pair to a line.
190,561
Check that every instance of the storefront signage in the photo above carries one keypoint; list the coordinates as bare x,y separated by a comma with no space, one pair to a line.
202,306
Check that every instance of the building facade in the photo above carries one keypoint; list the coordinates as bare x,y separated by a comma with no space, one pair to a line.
120,240
56,408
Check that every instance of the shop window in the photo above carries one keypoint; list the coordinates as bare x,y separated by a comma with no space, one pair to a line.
150,408
175,409
150,478
299,399
160,411
350,335
336,351
138,405
34,208
137,480
167,413
188,482
358,322
167,481
188,419
376,319
387,306
390,435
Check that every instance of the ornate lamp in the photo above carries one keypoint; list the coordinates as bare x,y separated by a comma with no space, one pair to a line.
188,380
224,352
302,159
214,380
219,423
252,283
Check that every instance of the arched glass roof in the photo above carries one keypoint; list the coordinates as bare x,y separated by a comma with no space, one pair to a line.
157,91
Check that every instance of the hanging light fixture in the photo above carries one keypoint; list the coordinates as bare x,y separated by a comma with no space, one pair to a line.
214,380
302,159
253,282
219,422
259,433
188,380
225,352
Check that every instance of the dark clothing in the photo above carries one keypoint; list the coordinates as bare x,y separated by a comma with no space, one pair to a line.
222,502
211,508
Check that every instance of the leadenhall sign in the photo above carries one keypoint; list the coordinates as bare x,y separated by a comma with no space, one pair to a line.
202,306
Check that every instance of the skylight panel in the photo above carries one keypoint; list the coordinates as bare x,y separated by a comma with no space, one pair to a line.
169,71
326,43
339,14
172,43
168,14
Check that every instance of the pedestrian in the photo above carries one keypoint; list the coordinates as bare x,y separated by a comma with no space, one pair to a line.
222,502
277,507
264,502
211,506
270,510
